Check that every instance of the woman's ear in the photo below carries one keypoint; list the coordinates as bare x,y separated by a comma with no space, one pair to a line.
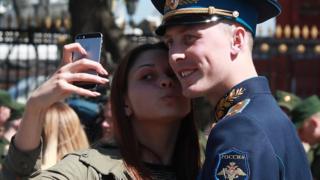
238,38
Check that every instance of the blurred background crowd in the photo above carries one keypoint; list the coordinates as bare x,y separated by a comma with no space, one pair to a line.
32,33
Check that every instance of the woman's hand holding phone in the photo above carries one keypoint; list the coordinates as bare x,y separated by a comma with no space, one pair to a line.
59,86
61,83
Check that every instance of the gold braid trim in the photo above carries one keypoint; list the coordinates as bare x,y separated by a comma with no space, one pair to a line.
210,10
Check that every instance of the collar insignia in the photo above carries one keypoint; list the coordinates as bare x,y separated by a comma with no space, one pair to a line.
225,103
237,108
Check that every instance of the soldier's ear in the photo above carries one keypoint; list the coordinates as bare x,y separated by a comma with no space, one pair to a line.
238,39
315,122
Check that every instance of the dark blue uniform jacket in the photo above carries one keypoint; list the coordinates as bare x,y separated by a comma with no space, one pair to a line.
253,138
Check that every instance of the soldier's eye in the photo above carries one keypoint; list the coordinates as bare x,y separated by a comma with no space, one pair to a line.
168,42
189,39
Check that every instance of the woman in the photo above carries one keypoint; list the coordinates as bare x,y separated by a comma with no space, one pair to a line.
62,133
153,122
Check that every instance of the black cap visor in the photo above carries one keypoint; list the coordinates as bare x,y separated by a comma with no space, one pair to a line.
185,19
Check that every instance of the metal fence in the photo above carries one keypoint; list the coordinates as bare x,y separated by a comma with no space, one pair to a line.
27,57
291,64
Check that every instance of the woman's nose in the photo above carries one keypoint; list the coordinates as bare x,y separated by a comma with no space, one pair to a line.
166,82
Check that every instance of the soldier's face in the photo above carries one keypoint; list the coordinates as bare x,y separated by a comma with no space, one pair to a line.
310,131
199,56
154,93
5,114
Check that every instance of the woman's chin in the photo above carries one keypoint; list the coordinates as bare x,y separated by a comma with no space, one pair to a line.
192,92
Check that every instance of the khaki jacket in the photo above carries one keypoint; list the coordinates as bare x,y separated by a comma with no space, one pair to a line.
91,164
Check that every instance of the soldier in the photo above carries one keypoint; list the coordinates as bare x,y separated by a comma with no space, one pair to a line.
9,110
306,117
287,101
210,50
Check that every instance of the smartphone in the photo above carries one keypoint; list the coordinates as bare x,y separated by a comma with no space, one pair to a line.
92,43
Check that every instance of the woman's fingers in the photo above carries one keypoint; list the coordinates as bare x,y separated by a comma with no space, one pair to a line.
70,88
55,89
63,83
84,65
85,77
69,49
60,85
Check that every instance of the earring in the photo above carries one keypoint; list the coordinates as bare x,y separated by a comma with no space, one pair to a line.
127,111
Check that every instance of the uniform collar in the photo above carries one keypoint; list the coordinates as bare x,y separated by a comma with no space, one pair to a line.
244,90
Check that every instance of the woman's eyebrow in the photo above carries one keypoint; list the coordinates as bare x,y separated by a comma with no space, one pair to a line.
145,65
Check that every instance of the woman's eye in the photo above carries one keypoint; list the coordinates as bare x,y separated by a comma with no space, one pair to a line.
147,77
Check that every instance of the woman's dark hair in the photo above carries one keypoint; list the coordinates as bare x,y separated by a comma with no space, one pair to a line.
187,144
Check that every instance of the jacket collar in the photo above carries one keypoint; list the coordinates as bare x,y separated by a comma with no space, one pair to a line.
106,161
240,92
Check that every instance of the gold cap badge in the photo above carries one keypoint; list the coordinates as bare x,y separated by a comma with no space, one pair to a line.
287,98
172,4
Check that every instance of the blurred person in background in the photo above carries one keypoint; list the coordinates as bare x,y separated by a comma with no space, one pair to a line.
306,117
10,129
10,113
88,111
95,115
287,101
153,122
5,113
9,109
107,132
62,134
